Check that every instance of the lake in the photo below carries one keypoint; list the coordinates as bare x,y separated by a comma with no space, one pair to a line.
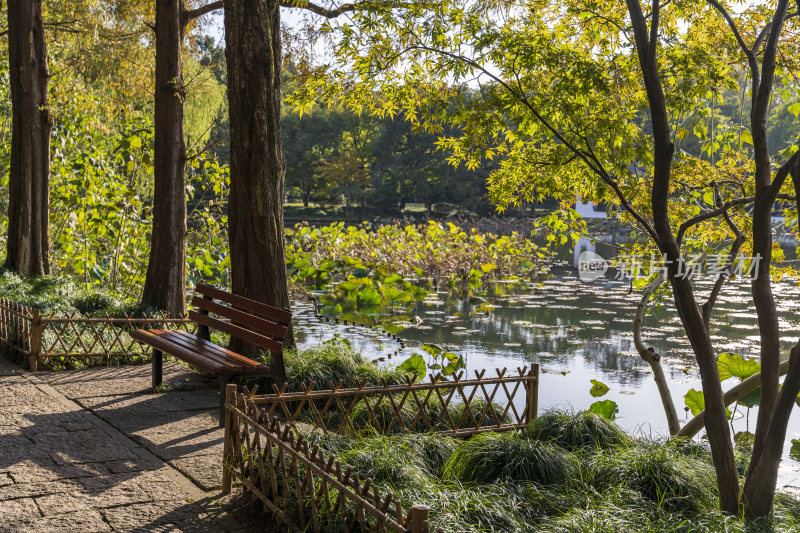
577,332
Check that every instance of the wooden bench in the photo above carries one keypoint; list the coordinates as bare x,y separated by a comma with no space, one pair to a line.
247,320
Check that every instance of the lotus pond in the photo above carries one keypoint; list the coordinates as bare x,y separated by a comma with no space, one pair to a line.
577,332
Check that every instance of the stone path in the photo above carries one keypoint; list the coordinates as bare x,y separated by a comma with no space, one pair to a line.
88,451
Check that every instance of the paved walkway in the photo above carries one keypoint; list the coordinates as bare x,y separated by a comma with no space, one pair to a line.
89,451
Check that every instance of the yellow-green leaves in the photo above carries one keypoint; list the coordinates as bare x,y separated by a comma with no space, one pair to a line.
734,365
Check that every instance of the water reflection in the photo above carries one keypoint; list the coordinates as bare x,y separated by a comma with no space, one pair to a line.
578,332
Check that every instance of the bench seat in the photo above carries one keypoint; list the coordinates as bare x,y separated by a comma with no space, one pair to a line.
250,322
198,352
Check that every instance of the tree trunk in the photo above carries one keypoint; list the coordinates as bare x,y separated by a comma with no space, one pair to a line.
165,284
306,198
663,149
28,244
255,208
759,487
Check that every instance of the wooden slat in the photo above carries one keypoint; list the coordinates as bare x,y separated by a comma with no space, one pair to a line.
211,354
202,344
241,317
173,349
244,334
262,309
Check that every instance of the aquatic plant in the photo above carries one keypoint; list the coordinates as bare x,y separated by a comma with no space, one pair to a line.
367,266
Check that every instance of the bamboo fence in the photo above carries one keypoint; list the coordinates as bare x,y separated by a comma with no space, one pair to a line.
27,334
451,406
303,487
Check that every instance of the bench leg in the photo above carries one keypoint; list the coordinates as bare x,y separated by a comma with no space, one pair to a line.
224,379
157,360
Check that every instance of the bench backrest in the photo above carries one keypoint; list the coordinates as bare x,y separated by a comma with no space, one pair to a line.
246,319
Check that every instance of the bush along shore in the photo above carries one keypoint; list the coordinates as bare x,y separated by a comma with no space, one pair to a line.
564,472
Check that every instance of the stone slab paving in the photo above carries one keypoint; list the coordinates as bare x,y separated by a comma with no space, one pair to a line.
180,426
115,462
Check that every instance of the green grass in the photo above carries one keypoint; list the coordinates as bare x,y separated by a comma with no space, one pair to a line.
333,361
491,457
60,296
576,430
565,472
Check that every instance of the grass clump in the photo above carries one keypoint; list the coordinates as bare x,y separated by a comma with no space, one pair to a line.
575,431
334,361
391,462
567,472
59,296
490,457
677,482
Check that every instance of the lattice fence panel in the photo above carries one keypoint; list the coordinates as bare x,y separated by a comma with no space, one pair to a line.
76,336
455,406
302,486
15,326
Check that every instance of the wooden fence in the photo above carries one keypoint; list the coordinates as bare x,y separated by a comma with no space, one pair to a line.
451,406
27,334
303,487
265,449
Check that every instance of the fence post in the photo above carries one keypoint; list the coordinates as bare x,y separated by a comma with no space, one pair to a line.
532,394
227,455
36,331
417,521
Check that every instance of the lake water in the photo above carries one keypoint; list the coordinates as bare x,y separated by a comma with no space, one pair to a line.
578,332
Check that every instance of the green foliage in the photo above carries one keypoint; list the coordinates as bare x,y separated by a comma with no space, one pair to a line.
491,457
695,401
734,365
57,296
676,482
556,476
575,431
608,409
332,361
414,365
598,388
366,269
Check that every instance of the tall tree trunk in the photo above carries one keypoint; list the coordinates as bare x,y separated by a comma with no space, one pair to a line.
716,421
28,245
165,283
759,487
255,207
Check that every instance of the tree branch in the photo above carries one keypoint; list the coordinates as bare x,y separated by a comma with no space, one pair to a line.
783,172
732,395
653,358
191,14
724,276
711,214
748,52
319,10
